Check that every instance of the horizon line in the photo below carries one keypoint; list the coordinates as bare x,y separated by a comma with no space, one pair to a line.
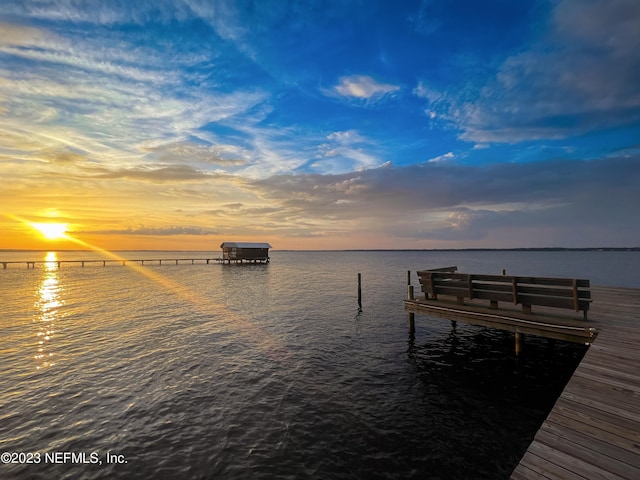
467,249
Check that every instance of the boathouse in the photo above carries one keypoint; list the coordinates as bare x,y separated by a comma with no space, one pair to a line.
241,252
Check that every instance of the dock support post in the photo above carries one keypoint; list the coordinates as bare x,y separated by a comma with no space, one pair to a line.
518,343
359,292
411,318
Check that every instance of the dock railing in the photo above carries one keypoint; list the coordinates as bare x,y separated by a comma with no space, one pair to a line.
566,293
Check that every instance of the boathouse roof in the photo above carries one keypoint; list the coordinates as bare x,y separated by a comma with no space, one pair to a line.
244,245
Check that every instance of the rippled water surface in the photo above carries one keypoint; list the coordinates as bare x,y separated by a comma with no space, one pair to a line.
269,371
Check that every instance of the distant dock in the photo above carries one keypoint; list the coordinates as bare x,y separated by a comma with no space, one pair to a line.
123,262
593,430
140,261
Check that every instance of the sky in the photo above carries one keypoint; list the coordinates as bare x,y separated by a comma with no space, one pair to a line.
156,124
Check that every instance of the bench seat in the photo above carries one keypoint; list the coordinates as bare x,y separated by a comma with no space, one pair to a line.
566,293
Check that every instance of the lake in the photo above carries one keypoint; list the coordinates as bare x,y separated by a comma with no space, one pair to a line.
269,371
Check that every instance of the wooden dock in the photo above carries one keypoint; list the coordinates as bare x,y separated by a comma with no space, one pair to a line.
123,262
593,430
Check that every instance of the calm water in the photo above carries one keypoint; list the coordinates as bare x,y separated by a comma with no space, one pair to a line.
215,371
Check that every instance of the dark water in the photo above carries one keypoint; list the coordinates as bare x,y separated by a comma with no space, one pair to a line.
215,371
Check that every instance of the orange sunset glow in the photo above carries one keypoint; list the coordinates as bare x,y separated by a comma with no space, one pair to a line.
51,231
181,125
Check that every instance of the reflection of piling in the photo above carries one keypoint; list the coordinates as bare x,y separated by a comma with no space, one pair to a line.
359,292
412,317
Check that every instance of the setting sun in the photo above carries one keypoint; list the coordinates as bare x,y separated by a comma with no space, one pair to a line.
51,231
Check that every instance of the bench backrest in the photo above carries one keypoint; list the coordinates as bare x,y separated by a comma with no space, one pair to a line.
567,293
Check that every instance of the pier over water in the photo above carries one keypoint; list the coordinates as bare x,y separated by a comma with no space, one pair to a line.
593,430
123,262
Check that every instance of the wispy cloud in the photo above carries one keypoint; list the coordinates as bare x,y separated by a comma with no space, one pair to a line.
363,87
223,155
112,103
345,151
153,231
578,76
169,173
447,157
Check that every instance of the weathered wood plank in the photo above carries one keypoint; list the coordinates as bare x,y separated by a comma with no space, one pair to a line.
533,467
594,429
605,421
531,325
550,458
557,302
554,292
590,450
608,375
565,282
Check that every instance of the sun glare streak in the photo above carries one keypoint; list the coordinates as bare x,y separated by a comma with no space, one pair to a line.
256,335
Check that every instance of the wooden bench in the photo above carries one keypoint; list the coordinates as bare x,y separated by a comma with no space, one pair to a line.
567,293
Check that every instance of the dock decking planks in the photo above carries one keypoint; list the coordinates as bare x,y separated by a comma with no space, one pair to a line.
593,430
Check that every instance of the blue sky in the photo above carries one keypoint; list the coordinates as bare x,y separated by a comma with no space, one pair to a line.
336,124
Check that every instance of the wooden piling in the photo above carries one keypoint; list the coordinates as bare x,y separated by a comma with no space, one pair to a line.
411,319
359,292
518,343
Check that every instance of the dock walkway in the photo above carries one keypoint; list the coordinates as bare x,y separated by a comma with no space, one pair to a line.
593,430
125,261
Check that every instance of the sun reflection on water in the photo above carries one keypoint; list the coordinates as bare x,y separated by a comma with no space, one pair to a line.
48,302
